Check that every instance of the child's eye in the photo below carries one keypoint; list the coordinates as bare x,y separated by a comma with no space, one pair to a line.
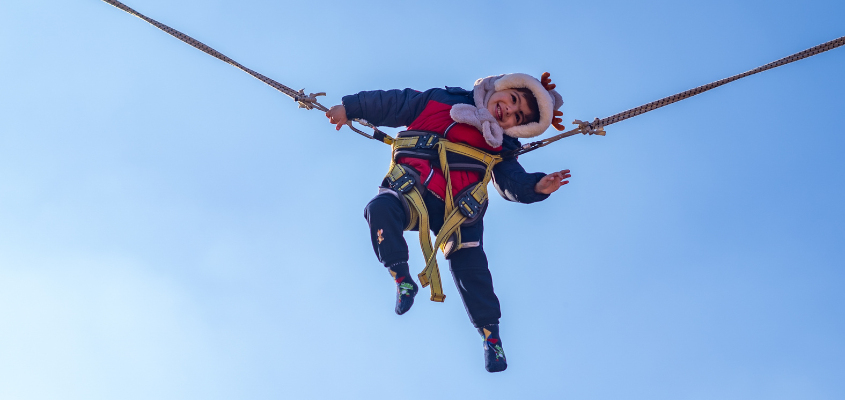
513,98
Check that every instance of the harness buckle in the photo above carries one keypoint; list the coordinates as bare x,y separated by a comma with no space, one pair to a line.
402,184
469,206
426,141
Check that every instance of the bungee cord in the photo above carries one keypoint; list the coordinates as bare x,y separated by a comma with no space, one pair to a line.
596,127
307,102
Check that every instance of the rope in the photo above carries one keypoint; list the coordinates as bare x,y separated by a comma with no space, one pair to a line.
597,126
307,102
593,128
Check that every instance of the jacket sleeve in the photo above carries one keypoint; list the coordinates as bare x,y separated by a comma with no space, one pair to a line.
511,180
393,108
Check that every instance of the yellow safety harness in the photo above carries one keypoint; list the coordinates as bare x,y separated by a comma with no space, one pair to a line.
468,205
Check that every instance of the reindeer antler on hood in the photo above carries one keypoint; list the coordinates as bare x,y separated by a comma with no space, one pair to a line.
546,81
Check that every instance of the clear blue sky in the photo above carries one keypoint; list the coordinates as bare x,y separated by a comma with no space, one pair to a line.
165,234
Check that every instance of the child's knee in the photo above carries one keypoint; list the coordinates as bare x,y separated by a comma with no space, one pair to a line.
383,204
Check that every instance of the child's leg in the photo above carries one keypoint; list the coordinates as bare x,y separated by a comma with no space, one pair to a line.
386,217
469,268
473,279
474,282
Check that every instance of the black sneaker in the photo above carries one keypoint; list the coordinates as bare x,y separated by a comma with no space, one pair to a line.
494,355
406,289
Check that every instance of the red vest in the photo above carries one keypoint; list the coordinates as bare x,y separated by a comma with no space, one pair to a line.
435,118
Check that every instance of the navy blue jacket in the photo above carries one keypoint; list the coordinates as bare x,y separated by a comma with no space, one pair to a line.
429,111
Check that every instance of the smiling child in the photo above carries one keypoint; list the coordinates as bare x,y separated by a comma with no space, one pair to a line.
485,121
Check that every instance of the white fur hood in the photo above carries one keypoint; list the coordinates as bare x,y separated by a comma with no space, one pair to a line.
548,101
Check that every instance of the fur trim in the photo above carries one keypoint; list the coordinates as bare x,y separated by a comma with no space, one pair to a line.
547,101
478,116
475,116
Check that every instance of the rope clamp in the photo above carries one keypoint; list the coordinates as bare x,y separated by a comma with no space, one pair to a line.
591,128
307,102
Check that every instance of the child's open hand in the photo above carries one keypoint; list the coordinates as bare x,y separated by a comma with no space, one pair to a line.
552,182
337,116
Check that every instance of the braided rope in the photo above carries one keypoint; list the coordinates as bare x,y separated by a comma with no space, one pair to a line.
299,96
701,89
307,102
596,127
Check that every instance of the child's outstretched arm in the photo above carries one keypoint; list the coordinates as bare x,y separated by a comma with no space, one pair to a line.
514,184
393,108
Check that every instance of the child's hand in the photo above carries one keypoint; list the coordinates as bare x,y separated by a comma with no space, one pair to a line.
337,115
552,182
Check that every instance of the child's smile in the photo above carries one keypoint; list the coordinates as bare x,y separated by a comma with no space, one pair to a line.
509,107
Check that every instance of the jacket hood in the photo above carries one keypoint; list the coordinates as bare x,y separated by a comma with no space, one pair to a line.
548,101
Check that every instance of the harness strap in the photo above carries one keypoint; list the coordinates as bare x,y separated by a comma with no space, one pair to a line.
444,166
396,177
456,210
472,152
416,142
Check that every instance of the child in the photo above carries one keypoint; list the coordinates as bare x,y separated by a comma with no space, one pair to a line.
489,118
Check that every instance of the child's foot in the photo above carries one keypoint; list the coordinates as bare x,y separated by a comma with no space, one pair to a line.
494,355
406,289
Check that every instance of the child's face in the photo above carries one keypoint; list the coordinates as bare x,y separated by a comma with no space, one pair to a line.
509,108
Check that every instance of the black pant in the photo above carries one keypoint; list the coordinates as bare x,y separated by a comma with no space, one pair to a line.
387,220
